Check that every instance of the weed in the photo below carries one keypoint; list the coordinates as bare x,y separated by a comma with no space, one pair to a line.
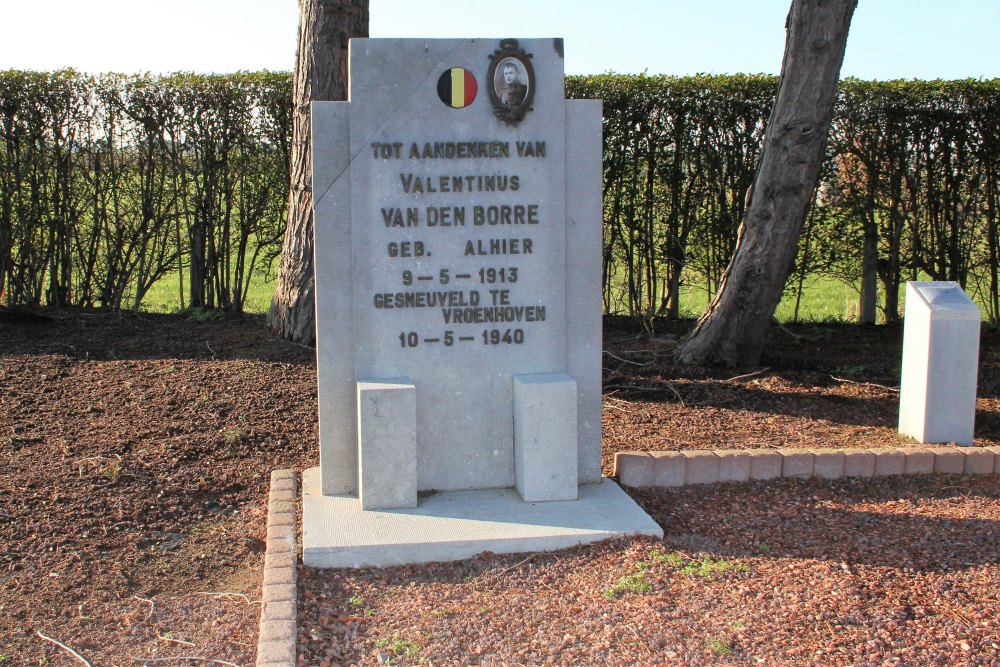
399,646
202,315
113,470
3,659
718,645
356,601
764,548
633,583
705,567
235,436
658,556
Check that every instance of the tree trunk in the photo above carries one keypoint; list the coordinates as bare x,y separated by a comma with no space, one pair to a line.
733,328
868,305
325,26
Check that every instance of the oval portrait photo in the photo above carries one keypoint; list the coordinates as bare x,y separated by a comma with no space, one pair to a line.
511,82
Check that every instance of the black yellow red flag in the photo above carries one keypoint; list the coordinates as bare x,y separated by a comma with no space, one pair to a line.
457,87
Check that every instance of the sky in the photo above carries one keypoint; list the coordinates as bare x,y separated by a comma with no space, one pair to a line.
889,39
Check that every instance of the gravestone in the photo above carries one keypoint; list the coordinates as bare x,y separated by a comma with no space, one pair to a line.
457,200
937,390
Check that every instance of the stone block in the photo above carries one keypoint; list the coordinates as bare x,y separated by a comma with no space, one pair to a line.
889,461
584,301
828,463
281,519
948,460
279,575
280,507
702,467
275,652
765,464
545,442
282,610
276,546
996,459
454,525
280,532
669,469
734,465
282,474
859,463
919,461
634,469
285,484
937,393
278,593
387,443
279,560
273,630
979,461
796,463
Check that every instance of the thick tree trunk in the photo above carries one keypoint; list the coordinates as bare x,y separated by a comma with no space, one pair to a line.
733,328
325,26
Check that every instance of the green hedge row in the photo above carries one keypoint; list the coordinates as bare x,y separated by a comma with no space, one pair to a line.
909,186
108,183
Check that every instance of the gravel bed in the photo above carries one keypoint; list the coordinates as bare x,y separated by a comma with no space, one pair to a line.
896,571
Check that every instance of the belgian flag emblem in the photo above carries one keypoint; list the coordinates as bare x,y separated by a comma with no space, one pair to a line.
457,87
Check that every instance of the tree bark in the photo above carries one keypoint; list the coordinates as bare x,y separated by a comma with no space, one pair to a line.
325,27
733,329
868,304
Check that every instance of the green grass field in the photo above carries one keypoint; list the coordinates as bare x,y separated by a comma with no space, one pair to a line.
164,297
824,299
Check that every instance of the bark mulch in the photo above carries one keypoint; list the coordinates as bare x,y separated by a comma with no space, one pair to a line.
136,452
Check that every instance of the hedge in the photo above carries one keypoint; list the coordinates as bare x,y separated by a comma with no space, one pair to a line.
108,183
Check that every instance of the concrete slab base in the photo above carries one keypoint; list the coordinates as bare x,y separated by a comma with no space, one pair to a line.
453,525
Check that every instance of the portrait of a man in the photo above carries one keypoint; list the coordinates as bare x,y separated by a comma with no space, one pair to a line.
510,81
511,90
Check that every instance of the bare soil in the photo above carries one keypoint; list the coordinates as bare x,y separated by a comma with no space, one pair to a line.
136,452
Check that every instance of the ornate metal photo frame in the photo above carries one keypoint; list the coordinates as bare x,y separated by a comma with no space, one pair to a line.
510,81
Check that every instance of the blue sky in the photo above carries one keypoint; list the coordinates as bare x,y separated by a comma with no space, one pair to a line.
889,38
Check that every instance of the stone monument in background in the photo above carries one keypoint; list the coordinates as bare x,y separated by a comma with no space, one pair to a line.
458,293
940,369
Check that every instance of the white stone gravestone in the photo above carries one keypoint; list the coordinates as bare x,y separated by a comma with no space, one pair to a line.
458,218
937,391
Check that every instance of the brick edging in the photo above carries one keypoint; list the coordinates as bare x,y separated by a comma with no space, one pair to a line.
276,642
673,469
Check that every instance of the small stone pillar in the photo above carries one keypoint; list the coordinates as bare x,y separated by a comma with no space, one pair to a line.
937,392
387,444
545,452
